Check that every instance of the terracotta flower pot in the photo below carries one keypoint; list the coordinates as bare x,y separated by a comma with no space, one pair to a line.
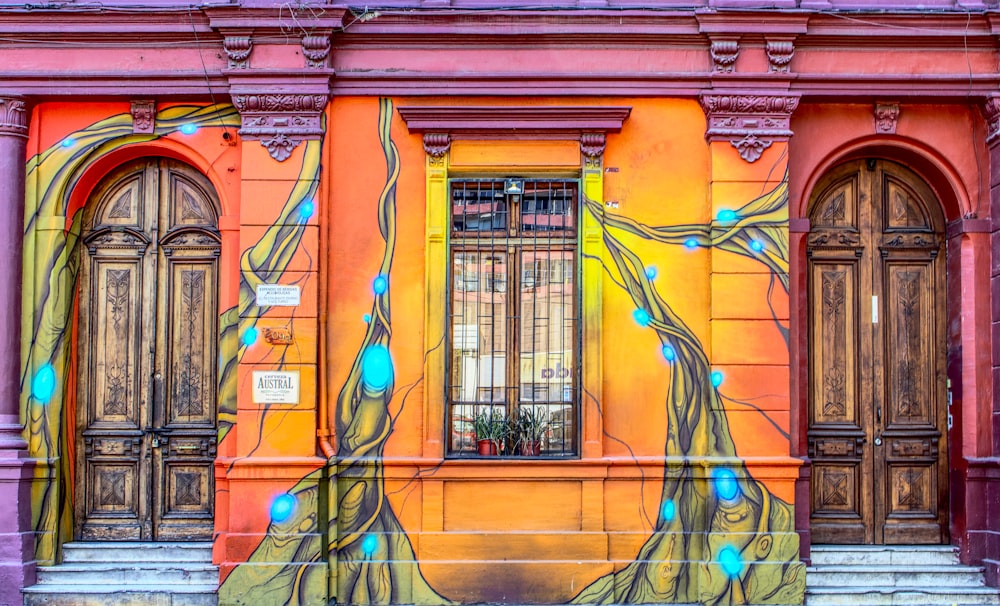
531,448
487,448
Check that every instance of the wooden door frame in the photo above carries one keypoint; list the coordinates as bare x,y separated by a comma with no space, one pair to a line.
948,189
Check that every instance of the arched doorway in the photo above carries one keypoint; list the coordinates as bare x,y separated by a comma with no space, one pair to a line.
147,339
877,430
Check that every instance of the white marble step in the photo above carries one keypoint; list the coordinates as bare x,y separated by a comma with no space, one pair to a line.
924,596
124,573
123,551
899,575
927,555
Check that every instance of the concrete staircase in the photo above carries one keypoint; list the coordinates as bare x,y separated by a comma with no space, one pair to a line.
128,574
876,575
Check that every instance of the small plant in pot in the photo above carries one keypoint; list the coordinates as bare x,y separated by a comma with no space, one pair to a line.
491,429
531,426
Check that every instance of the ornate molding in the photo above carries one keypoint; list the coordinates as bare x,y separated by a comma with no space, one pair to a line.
437,144
779,55
238,49
751,123
724,54
13,117
316,50
886,115
143,117
991,111
280,121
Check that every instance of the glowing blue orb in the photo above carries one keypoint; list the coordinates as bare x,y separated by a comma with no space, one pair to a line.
44,383
691,243
716,378
651,272
69,142
250,336
282,507
380,284
669,353
669,510
756,246
726,215
366,318
641,317
307,209
369,544
189,129
725,484
730,561
376,367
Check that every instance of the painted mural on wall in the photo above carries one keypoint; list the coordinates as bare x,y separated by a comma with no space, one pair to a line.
721,540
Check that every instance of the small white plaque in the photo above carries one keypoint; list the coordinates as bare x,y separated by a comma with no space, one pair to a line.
275,387
278,294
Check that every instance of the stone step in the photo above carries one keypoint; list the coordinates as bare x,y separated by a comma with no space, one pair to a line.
878,596
121,595
108,551
896,575
125,573
822,555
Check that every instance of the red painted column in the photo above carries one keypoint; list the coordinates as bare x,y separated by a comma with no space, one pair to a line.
17,566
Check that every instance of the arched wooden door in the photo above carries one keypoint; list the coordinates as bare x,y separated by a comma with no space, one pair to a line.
147,339
877,409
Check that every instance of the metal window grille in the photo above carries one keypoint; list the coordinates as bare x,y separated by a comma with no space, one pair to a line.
514,329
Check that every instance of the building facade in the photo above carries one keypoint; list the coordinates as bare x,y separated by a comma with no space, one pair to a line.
718,278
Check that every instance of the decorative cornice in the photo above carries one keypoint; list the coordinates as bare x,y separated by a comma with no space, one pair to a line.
751,123
886,115
724,54
280,121
991,111
316,49
143,117
779,55
238,49
437,144
13,117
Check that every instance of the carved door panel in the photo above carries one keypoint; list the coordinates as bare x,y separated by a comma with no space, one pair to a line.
877,358
147,330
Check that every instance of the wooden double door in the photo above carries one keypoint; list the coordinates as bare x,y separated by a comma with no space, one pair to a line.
147,359
877,412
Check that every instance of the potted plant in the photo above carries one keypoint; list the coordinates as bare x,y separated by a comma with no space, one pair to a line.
491,429
531,426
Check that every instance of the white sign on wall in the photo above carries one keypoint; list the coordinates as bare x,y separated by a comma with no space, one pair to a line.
275,387
278,294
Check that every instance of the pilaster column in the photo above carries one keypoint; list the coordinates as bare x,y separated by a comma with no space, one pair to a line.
17,566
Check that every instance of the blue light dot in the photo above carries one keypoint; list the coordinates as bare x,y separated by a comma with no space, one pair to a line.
669,510
366,318
369,544
756,246
307,209
44,383
651,272
726,215
669,353
380,284
730,561
189,129
691,243
376,367
716,378
725,484
641,316
250,336
69,142
282,507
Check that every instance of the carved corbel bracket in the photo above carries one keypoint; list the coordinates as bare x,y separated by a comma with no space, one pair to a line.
991,111
143,117
592,147
724,53
436,145
13,117
280,121
316,49
238,49
886,115
751,123
779,55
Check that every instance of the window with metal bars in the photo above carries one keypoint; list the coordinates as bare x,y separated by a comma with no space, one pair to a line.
514,301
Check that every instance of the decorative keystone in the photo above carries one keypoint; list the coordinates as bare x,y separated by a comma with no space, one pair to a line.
280,121
143,117
751,123
13,117
886,115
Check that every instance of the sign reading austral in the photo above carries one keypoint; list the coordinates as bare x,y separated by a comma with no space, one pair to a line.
276,387
269,295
